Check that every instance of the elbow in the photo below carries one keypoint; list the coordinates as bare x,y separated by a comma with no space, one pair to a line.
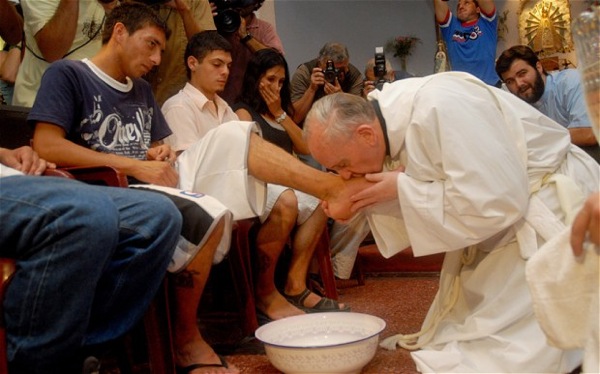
51,56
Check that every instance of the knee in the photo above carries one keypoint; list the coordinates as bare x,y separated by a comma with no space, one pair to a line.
286,208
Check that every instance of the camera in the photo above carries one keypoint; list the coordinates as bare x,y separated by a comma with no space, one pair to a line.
379,69
227,20
330,72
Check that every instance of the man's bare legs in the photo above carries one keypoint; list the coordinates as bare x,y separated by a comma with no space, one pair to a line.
304,243
190,347
270,241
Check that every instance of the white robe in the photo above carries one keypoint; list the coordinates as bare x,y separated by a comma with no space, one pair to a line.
473,154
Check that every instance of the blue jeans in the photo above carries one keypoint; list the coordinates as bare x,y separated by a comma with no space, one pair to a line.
89,261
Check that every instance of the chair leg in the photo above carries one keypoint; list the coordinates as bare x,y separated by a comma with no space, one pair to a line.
7,270
157,325
241,270
325,268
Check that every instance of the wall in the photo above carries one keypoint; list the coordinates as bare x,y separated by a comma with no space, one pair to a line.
305,25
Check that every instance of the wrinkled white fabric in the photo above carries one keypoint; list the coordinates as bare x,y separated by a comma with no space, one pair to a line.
221,169
565,296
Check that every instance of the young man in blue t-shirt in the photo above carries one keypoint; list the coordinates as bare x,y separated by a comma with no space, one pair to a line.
471,36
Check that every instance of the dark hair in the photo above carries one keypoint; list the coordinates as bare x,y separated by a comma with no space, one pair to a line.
258,65
517,52
203,43
133,16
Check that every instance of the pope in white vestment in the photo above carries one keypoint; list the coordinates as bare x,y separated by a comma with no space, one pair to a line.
488,179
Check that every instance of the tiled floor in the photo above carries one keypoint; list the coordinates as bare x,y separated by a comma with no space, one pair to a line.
401,301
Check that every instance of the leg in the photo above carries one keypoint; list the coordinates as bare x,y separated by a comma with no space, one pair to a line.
48,230
304,244
271,239
271,164
190,347
345,241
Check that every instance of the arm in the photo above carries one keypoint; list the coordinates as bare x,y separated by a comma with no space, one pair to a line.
56,37
487,7
50,142
273,100
582,136
190,24
587,222
24,159
441,10
253,44
310,87
11,23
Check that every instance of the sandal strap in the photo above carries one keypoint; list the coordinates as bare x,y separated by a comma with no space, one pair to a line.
298,300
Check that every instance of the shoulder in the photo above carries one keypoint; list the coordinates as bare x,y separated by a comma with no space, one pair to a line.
65,69
354,72
567,75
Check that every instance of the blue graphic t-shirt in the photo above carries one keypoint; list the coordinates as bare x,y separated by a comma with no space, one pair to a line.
472,46
99,112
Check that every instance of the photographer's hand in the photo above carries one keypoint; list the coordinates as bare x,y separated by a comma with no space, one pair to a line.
368,86
242,31
317,79
331,89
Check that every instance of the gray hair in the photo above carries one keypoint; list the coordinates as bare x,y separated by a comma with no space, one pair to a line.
339,115
336,52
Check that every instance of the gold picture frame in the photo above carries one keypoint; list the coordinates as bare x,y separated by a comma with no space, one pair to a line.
545,26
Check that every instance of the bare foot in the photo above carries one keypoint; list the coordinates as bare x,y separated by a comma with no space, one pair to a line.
312,299
275,306
338,202
199,352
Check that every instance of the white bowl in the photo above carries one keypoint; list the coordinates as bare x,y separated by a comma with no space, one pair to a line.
338,342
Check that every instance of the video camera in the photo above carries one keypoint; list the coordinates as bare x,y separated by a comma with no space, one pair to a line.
379,69
330,72
227,20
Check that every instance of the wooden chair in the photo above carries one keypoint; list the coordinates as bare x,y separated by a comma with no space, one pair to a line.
7,270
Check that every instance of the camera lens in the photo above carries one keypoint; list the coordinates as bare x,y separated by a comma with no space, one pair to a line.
227,21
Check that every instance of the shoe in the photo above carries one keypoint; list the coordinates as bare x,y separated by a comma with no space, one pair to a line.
189,368
324,305
91,365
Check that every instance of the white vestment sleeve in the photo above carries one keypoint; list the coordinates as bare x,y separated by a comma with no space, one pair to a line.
465,179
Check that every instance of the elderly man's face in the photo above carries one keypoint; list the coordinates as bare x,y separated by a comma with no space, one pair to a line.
349,158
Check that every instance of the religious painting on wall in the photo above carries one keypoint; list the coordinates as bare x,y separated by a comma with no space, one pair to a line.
545,26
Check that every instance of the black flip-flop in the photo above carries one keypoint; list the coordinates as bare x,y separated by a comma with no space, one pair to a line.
190,368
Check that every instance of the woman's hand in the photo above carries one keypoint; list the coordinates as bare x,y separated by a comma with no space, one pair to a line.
272,98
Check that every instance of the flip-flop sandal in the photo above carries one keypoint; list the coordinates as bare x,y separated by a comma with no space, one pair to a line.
189,368
324,305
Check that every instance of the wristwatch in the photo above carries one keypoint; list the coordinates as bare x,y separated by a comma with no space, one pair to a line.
245,39
281,118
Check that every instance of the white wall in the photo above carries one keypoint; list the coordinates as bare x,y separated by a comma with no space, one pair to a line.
305,25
